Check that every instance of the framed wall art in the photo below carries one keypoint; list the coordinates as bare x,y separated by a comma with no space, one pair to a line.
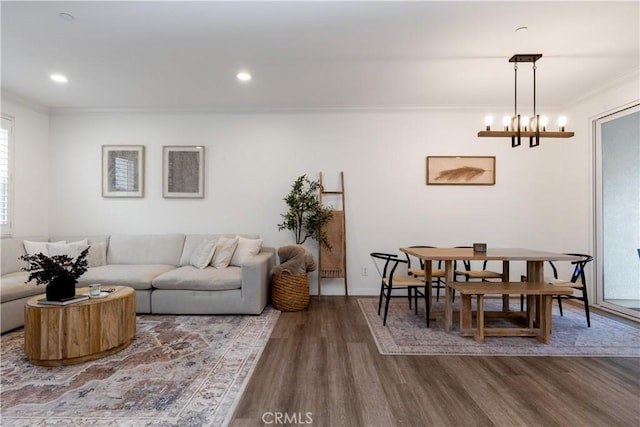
461,170
122,171
183,172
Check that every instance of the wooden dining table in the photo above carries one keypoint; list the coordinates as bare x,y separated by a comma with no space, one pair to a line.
535,268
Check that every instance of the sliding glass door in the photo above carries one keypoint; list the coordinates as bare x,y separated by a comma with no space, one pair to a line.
617,161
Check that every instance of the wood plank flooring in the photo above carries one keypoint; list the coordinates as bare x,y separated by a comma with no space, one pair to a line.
321,367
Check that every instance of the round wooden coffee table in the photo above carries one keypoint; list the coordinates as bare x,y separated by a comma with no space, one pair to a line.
78,332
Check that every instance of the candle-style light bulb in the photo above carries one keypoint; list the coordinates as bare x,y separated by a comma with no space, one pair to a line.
488,121
524,121
562,122
506,121
544,121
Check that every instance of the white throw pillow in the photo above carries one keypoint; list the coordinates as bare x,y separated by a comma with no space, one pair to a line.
247,249
33,248
224,252
202,254
72,249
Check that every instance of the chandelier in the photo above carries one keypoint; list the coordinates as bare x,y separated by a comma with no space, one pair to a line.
518,127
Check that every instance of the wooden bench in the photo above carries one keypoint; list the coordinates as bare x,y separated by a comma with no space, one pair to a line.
537,316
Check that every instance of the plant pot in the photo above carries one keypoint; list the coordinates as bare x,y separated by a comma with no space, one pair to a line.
61,288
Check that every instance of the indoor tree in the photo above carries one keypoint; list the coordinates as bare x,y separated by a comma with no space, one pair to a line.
306,217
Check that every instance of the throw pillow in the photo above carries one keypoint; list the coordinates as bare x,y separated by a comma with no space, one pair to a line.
97,255
247,248
225,247
202,254
72,249
33,248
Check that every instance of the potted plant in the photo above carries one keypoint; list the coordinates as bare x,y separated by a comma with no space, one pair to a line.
306,217
59,273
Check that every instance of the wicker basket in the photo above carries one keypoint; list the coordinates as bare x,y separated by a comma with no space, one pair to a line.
290,292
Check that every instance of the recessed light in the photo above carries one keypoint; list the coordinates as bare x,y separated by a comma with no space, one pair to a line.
59,78
243,76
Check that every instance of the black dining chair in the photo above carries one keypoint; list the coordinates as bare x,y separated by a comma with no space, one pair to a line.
470,272
386,265
437,274
577,281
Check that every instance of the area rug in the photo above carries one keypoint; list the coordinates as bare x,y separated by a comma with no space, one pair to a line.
179,370
407,333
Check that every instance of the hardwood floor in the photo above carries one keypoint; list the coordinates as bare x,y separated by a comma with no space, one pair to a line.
321,367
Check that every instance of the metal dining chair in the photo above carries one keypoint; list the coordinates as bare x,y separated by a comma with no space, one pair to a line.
577,281
438,274
470,273
386,265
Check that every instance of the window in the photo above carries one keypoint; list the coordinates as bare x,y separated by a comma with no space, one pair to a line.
6,137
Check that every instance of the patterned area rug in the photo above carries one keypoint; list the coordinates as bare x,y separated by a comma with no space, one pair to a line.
180,370
407,333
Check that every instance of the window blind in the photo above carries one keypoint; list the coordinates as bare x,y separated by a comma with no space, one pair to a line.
5,182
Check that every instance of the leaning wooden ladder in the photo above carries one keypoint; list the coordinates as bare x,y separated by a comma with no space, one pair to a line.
333,262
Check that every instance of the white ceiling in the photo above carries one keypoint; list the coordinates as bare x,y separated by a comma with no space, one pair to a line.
312,55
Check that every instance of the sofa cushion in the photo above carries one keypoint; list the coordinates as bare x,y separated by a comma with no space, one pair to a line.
208,279
134,276
13,286
247,249
145,249
225,247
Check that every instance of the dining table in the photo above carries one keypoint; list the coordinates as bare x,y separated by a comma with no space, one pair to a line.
534,259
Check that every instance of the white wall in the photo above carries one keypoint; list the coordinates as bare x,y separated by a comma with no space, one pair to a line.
252,159
30,168
542,198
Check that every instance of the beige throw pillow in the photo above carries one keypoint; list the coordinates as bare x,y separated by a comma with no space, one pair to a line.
225,248
97,255
202,254
72,249
33,248
247,249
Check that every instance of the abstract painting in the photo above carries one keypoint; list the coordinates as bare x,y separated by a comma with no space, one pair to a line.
461,170
183,172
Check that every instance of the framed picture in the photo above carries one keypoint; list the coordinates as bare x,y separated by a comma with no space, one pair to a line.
183,172
461,170
122,171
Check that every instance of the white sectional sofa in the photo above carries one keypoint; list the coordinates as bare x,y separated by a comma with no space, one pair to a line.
159,268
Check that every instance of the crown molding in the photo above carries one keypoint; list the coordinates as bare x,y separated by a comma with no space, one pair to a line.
24,102
622,79
273,110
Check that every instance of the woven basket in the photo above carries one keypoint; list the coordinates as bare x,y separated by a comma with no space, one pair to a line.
290,292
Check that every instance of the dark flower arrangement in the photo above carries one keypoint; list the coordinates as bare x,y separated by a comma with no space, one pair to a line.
45,269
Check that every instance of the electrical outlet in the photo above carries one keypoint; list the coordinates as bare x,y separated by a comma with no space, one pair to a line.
364,271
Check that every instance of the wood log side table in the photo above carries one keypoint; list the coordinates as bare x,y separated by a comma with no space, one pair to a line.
79,332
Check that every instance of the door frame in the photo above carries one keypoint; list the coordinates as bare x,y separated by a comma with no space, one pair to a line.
597,122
